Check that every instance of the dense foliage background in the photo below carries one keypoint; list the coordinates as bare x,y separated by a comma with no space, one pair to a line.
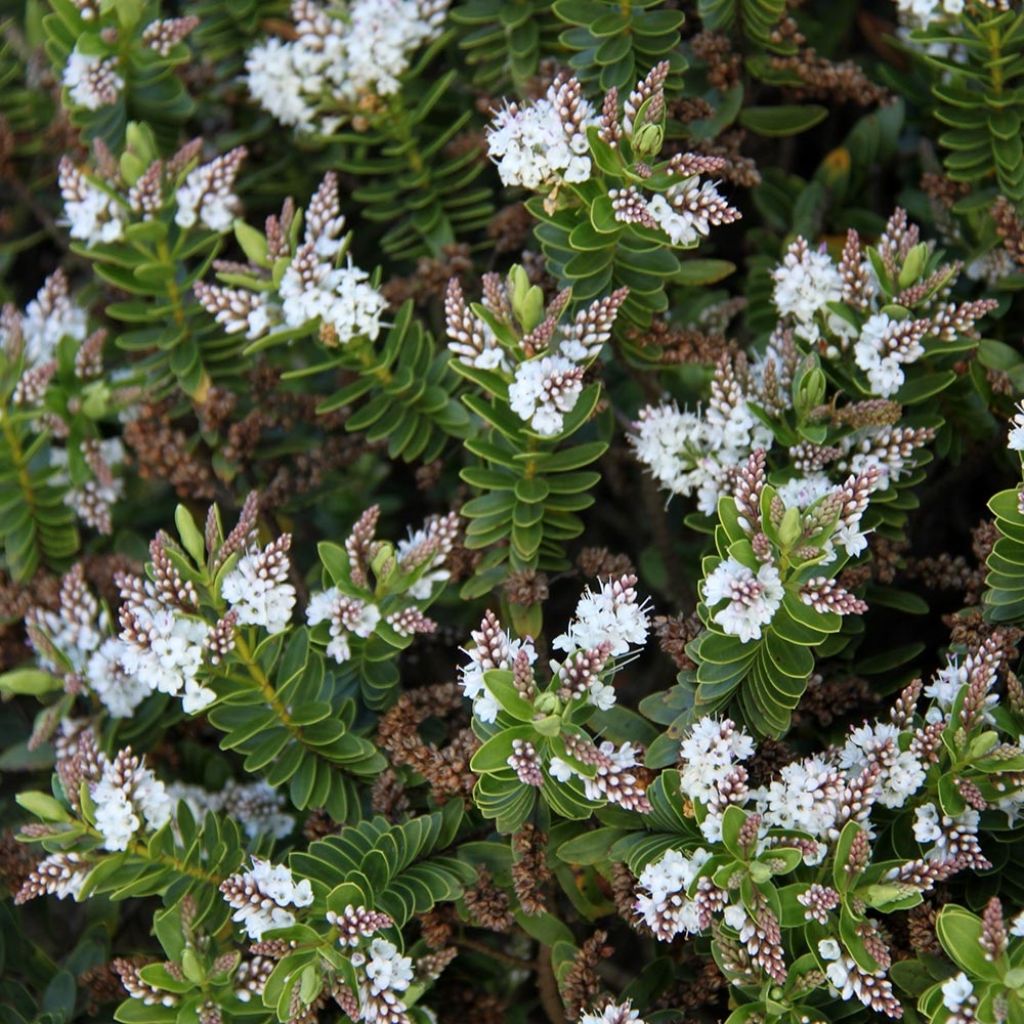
511,511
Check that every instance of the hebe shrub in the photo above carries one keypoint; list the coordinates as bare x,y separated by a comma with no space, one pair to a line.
510,512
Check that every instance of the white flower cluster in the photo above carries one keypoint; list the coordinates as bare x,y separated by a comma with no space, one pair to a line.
883,344
91,81
339,296
262,897
313,286
709,753
611,615
543,390
957,992
847,979
686,211
120,691
878,763
608,622
1015,439
539,144
127,797
698,453
613,1013
805,282
546,385
48,318
948,681
427,549
498,652
805,796
347,616
333,63
79,632
93,500
882,349
256,806
751,601
386,974
170,654
921,13
902,772
614,780
662,899
257,589
207,194
935,829
809,795
93,215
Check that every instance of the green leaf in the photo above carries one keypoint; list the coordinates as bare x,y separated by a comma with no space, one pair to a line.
960,933
782,120
30,681
494,754
591,847
42,805
501,685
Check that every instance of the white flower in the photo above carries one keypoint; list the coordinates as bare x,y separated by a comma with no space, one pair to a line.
752,600
543,390
1015,440
339,296
356,307
687,211
346,615
92,81
258,589
499,652
829,949
880,351
956,991
804,796
75,630
196,697
949,680
174,653
277,85
49,318
127,795
1017,925
708,754
207,193
805,282
902,772
556,766
921,13
662,888
258,808
92,215
262,896
434,534
387,969
735,916
613,615
926,824
120,691
697,453
613,1013
673,872
533,147
803,491
332,64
